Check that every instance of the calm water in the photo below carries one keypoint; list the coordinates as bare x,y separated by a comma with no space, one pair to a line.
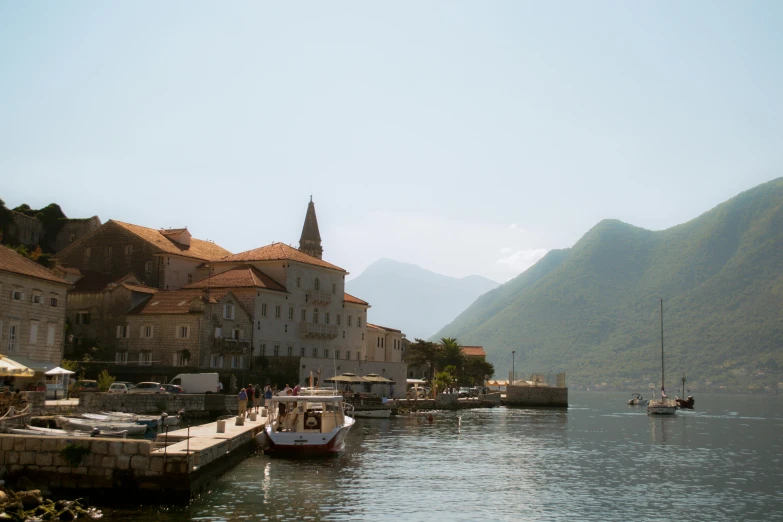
598,460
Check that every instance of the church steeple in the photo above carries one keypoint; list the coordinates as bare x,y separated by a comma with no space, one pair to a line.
310,242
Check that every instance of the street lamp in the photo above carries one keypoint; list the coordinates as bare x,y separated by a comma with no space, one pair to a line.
513,373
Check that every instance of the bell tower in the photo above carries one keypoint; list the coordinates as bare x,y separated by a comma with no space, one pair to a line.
310,241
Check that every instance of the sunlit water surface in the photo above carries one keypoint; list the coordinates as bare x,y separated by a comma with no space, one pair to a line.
598,460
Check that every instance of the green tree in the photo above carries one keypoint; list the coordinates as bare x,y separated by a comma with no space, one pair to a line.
476,371
451,355
105,380
423,353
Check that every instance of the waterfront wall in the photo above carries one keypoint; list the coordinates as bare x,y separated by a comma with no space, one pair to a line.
154,403
536,396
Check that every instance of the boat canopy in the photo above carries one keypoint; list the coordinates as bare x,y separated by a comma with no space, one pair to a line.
307,398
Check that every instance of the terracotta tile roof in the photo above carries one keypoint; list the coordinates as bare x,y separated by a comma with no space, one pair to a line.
174,301
240,277
15,263
473,351
140,288
279,251
198,248
173,231
378,327
348,298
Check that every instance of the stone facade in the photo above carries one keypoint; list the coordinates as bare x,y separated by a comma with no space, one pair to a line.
32,312
25,229
73,230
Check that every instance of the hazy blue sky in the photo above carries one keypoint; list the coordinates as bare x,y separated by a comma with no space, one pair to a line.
466,137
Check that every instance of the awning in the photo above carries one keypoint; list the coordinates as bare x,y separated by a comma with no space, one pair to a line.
375,378
37,366
417,381
11,368
346,378
59,371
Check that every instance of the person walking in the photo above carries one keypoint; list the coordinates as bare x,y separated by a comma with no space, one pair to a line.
250,395
242,402
267,395
256,397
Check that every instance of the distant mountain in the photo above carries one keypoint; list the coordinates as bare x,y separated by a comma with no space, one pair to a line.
593,310
412,299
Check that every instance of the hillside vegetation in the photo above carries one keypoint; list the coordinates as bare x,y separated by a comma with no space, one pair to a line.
593,310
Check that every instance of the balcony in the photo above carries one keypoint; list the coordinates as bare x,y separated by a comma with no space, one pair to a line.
316,297
230,345
317,331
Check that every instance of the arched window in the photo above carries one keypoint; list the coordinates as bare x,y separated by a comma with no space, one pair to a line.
317,284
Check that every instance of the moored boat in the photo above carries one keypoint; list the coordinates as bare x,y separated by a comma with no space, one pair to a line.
89,424
637,400
664,406
380,413
305,426
688,403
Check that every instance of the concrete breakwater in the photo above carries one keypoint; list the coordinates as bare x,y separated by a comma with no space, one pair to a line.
193,404
536,396
173,470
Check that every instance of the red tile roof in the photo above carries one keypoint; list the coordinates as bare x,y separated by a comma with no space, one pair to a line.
240,277
174,301
198,248
348,298
473,351
378,327
140,288
15,263
279,252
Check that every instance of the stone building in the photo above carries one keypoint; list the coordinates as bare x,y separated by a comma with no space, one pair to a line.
74,229
24,229
30,231
32,313
167,258
384,344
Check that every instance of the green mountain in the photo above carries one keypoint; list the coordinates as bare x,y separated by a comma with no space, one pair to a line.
593,310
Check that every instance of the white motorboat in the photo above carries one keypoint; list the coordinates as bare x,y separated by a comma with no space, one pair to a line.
89,424
49,432
380,413
664,406
305,425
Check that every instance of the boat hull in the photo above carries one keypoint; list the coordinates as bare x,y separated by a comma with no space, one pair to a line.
306,445
661,409
371,414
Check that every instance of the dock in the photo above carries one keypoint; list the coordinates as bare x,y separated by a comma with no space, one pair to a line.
178,466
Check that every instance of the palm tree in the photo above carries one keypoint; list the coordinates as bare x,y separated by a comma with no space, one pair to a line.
451,355
421,353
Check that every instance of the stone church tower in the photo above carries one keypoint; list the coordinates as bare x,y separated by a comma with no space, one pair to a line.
310,242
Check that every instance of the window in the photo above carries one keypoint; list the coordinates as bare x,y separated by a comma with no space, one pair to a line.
291,313
145,358
183,332
17,295
347,354
326,352
122,331
362,337
128,250
358,355
53,302
50,335
302,351
179,359
298,282
286,328
36,298
377,342
277,311
228,311
13,336
290,351
216,361
304,315
358,321
263,349
317,284
315,352
338,319
334,288
86,254
263,309
71,237
148,268
258,325
326,318
343,334
120,357
146,331
315,315
107,251
190,278
236,334
236,361
349,321
82,317
34,332
276,351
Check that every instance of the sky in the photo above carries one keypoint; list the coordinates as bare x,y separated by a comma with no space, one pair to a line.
464,137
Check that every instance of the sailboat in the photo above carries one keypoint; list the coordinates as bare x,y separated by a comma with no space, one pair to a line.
664,406
684,403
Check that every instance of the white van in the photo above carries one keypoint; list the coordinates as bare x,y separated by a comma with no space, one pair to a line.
197,382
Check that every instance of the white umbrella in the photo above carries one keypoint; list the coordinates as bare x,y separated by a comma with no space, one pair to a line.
59,371
9,367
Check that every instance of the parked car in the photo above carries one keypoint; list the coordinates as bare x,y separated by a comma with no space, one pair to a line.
148,387
84,386
118,387
127,384
475,391
173,388
464,392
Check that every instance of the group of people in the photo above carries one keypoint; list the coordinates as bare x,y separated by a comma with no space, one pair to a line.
252,397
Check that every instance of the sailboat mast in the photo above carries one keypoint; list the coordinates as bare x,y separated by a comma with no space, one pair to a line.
662,380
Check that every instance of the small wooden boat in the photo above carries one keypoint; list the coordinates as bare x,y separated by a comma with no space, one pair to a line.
90,424
48,432
686,404
637,400
380,413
